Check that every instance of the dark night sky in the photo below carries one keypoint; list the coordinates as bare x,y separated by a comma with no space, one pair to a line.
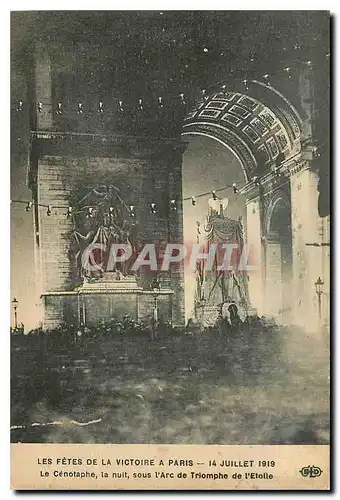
130,55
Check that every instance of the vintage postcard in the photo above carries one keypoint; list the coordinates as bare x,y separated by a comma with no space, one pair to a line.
170,250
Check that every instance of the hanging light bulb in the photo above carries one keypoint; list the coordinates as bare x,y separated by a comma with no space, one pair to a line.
182,99
132,211
140,104
40,107
153,208
223,88
235,188
80,108
193,200
266,77
101,107
49,210
120,106
198,226
29,206
20,105
245,82
59,108
160,102
89,214
173,205
69,212
214,195
287,70
111,211
204,94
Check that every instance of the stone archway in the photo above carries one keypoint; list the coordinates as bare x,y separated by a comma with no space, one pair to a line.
264,131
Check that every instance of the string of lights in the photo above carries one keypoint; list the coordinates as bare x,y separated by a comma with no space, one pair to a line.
213,192
286,71
101,109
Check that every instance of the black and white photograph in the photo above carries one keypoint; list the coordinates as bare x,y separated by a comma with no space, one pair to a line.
170,229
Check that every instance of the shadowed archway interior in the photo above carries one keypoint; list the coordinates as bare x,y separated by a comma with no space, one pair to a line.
207,165
235,136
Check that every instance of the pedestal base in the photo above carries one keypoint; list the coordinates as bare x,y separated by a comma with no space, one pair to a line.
94,302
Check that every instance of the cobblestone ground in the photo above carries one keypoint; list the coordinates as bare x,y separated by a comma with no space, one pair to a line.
267,386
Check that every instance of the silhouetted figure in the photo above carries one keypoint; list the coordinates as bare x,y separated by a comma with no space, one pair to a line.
155,285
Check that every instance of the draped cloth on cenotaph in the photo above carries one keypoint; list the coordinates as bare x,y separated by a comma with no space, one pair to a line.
216,286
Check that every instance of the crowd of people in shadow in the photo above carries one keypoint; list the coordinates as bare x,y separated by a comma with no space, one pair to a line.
75,368
69,335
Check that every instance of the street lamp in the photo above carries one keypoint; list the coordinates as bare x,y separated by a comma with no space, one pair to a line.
319,291
203,302
15,307
155,293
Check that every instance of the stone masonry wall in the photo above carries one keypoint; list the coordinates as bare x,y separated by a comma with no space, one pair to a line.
156,179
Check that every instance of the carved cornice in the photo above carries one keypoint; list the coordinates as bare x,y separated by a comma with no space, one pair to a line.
273,180
78,144
299,166
159,151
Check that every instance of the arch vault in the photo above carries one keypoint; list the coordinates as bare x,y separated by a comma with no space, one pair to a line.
267,134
